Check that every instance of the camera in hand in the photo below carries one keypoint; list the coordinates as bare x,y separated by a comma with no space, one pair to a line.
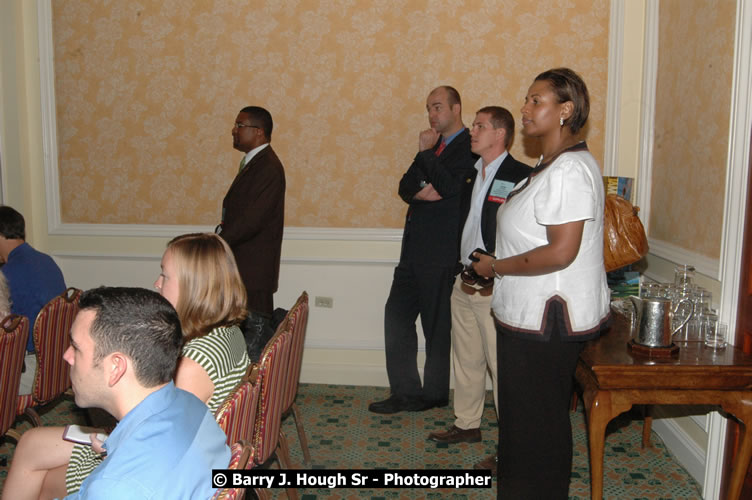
480,251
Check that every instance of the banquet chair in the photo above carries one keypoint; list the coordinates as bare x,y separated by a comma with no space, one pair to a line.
14,330
237,414
271,376
51,340
296,322
240,459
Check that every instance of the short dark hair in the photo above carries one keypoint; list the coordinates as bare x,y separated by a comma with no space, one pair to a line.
501,118
260,118
569,86
453,97
12,224
139,323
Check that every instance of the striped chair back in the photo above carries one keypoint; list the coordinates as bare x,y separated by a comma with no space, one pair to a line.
297,321
237,414
272,374
242,453
14,330
51,340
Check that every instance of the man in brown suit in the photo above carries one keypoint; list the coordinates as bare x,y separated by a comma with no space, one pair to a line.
253,213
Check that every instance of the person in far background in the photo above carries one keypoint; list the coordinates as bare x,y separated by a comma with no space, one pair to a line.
550,292
253,215
33,278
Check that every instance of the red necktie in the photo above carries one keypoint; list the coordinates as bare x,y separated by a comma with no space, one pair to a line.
440,148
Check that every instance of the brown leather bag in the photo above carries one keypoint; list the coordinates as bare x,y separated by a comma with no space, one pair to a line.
624,239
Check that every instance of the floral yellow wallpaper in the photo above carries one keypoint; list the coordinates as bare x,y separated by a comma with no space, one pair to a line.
693,102
147,92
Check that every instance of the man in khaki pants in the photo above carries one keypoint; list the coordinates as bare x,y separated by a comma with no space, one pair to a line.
473,331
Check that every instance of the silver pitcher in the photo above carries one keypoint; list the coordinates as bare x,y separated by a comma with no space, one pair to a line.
651,320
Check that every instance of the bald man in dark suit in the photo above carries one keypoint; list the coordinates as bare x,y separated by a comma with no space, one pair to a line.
423,279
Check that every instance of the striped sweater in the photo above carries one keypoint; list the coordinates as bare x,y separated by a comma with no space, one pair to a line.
222,353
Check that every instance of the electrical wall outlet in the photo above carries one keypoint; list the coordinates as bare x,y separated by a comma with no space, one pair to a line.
324,302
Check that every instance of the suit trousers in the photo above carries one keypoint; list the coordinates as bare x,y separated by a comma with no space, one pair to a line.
419,290
535,433
473,354
260,301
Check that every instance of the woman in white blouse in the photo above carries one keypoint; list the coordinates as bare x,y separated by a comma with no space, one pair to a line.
552,293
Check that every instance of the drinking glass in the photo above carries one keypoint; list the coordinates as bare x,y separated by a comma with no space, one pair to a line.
716,335
691,331
684,274
702,299
708,320
650,290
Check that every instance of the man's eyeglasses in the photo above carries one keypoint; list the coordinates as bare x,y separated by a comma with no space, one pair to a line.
242,125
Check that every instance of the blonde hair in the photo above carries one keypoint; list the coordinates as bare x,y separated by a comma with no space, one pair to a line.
211,293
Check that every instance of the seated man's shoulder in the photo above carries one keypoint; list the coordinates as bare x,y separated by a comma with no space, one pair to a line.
192,429
28,259
182,442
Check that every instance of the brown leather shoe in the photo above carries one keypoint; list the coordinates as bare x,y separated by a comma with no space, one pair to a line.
490,462
456,435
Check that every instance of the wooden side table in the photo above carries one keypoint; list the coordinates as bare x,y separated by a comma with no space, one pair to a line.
613,379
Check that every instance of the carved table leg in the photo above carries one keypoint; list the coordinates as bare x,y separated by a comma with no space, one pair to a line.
600,410
647,424
742,409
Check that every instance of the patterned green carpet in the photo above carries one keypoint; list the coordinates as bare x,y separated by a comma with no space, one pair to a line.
343,434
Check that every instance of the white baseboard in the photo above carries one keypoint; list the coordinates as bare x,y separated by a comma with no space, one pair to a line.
682,447
705,265
344,373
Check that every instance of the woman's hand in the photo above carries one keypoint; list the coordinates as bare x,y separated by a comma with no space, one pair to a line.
483,266
96,444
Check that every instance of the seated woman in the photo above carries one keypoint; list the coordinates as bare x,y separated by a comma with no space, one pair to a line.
200,279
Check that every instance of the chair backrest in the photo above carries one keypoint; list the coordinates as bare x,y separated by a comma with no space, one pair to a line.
272,375
241,458
51,339
297,322
14,330
237,414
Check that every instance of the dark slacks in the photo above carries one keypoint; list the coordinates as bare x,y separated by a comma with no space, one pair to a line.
535,434
257,327
260,301
425,291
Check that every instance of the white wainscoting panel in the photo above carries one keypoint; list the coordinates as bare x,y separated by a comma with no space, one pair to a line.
344,344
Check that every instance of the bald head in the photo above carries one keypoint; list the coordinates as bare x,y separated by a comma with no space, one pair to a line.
444,110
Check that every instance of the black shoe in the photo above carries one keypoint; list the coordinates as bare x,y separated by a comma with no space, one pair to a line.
434,403
396,404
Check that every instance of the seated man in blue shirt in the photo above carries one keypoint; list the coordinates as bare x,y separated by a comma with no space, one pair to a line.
124,349
33,279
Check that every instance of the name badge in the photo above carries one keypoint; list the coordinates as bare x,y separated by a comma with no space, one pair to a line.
500,190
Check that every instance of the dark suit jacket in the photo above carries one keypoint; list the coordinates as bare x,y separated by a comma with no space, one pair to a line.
431,232
510,170
253,220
